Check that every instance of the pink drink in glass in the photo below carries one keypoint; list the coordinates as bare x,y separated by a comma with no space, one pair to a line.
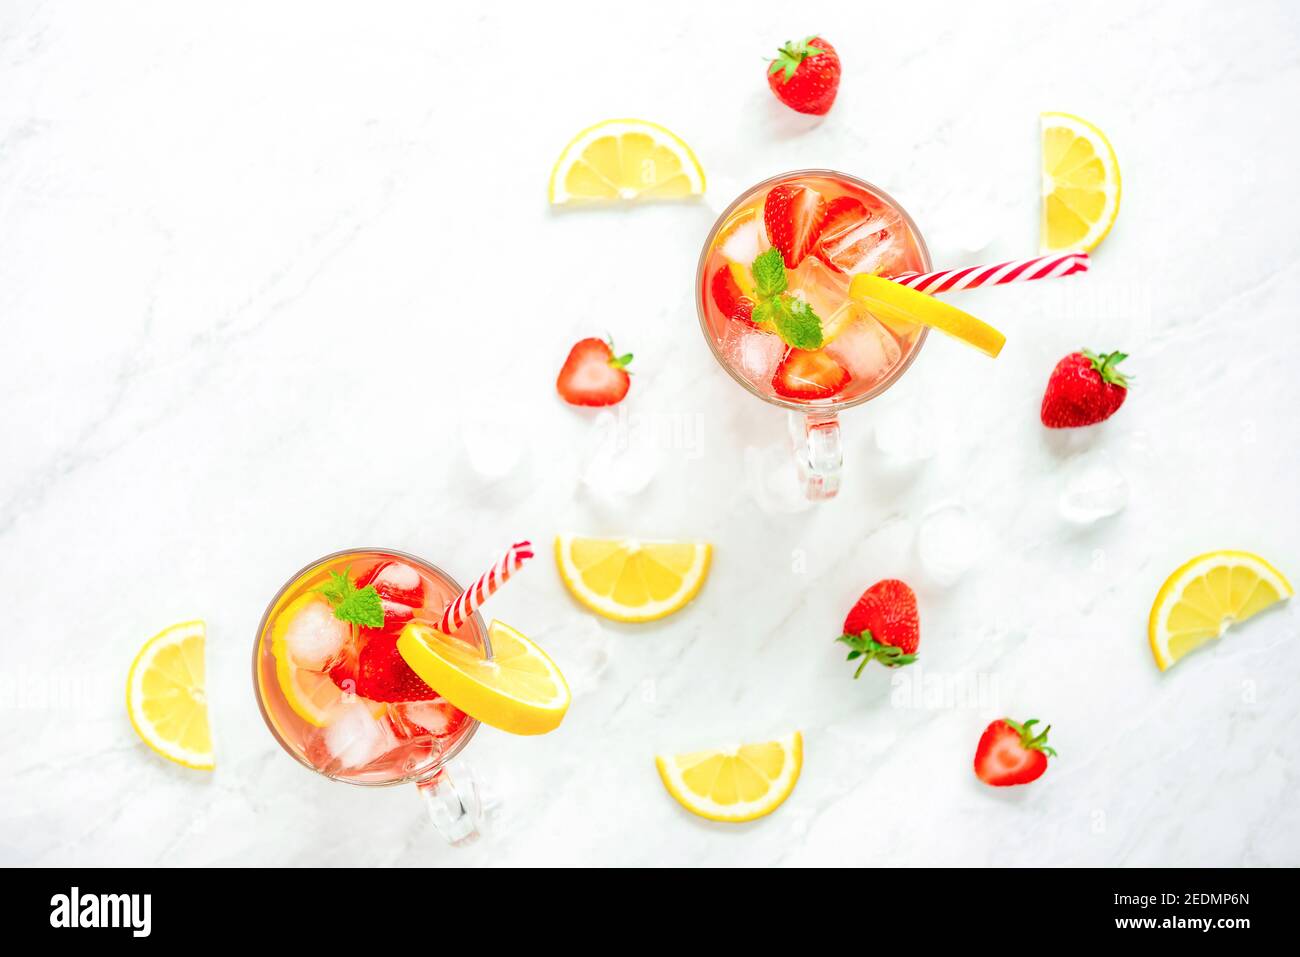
307,676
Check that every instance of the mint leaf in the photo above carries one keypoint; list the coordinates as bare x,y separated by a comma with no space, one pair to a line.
769,274
798,325
360,606
767,312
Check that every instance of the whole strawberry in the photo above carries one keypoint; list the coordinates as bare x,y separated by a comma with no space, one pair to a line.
1011,753
805,76
593,374
1084,389
883,626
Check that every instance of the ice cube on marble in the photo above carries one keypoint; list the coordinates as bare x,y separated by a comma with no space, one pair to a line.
948,543
1092,488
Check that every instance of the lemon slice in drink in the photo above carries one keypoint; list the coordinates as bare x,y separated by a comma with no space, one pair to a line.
898,305
166,697
1205,596
734,784
519,689
625,160
627,579
1081,184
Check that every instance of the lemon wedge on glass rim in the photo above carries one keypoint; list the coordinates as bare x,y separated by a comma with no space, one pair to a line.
734,784
519,689
894,303
629,579
1205,596
623,160
166,696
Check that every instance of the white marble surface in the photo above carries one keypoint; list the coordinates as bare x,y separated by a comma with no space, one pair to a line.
259,263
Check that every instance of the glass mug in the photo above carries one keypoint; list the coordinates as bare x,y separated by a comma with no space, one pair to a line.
864,230
304,676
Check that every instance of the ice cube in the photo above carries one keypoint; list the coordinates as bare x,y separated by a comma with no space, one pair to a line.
875,243
396,581
352,738
751,352
1092,488
744,241
434,717
948,543
621,465
583,651
866,349
495,446
773,480
314,637
906,434
820,286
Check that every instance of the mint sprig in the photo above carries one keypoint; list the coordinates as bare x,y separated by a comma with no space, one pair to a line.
361,606
792,318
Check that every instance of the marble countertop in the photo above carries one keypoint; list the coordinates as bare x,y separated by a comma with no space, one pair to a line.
269,276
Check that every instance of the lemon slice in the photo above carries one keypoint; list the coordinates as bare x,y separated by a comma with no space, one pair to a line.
1081,184
625,160
734,784
1205,596
631,580
518,689
897,305
166,697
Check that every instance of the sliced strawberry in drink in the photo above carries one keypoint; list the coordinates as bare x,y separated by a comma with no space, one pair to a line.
809,375
726,291
382,674
743,310
794,215
861,238
396,581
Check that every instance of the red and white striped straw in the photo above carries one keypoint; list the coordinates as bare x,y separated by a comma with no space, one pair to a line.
468,601
1017,270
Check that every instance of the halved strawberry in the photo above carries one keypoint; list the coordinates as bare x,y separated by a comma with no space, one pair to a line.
382,674
852,232
1011,753
593,375
744,310
794,214
726,291
809,375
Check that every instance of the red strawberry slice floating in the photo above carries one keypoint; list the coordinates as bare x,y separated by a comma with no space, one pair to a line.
726,291
883,626
805,76
793,215
1084,389
853,230
1011,753
382,674
592,375
809,375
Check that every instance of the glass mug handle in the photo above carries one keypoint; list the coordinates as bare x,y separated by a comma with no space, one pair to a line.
818,453
453,803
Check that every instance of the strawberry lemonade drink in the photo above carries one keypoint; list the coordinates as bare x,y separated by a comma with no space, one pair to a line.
336,694
773,298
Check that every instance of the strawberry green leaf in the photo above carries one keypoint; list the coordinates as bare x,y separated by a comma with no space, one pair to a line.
1105,364
791,55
